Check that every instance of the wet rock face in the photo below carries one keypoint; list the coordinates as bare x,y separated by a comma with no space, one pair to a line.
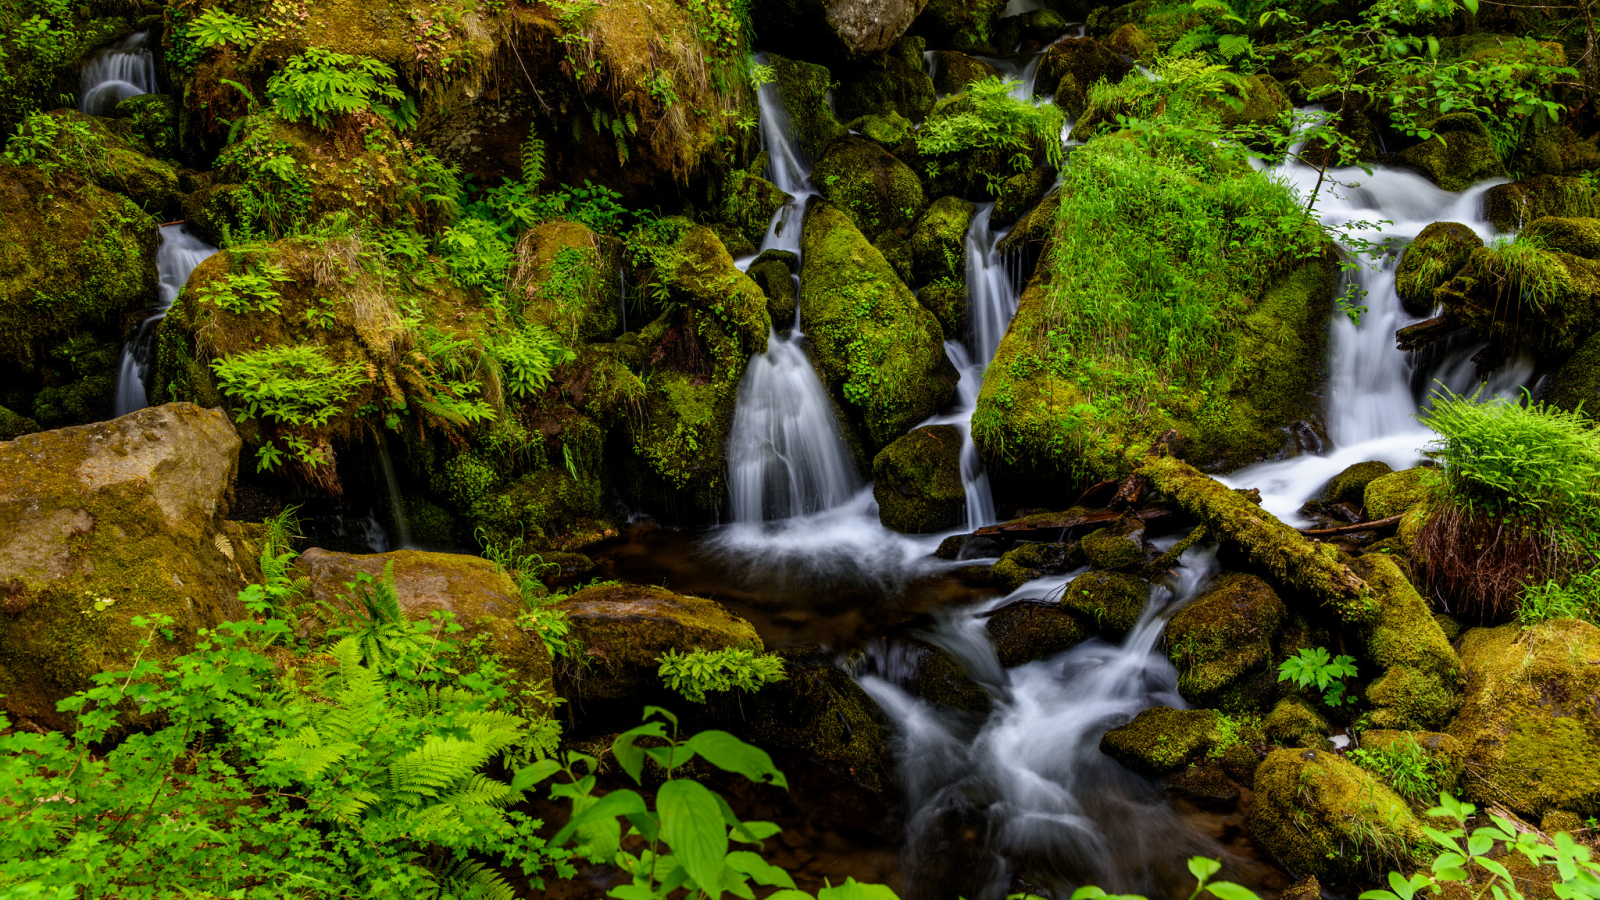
100,523
917,481
836,30
1023,634
1307,801
953,71
1512,207
1464,157
1222,644
1160,741
1029,561
820,714
1349,486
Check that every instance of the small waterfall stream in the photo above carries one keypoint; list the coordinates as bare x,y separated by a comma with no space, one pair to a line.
125,69
176,257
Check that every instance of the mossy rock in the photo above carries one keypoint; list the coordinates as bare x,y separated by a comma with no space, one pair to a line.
1112,601
1557,150
116,163
1577,236
1027,239
1461,155
749,204
887,86
803,90
1160,740
1430,260
820,713
1118,546
566,277
1350,485
1531,719
1030,561
1222,644
153,119
1130,40
953,71
1448,756
1421,683
917,481
1029,30
1020,193
1577,382
880,193
1556,320
891,131
1072,65
835,31
1259,102
625,628
13,425
941,679
1023,634
964,25
481,596
875,346
775,276
938,243
103,523
976,172
1511,207
1393,494
949,304
1293,722
1308,801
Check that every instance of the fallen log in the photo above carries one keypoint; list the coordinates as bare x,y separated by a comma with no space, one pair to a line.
1425,332
1353,528
1051,523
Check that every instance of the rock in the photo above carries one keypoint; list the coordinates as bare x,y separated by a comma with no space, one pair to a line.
1293,722
1113,601
821,714
1430,260
1529,722
1160,740
13,425
1577,236
834,30
917,481
1261,103
749,204
1306,888
1577,382
1511,207
152,119
975,172
1073,65
953,71
624,629
1393,494
1031,560
1206,785
1019,193
880,193
774,274
1222,644
1557,150
941,679
1129,40
1023,634
1026,240
803,90
566,277
1350,485
884,86
482,597
1033,29
891,131
964,25
875,347
1118,546
100,151
938,244
1420,687
1447,755
1554,318
1464,156
102,523
949,304
1308,801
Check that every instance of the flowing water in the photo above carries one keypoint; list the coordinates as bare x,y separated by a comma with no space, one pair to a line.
125,69
176,257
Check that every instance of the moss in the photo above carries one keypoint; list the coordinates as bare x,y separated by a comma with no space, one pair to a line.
749,203
938,243
1513,206
1259,101
13,425
1293,722
1350,485
1032,29
1160,741
1525,296
1430,260
1577,382
1222,644
775,276
948,302
1462,155
820,713
942,680
1321,815
1420,685
1119,546
1531,719
1029,561
567,279
1448,756
624,629
890,131
803,89
1577,236
1556,150
889,86
1019,193
1393,494
880,193
953,71
153,119
1130,40
880,351
965,25
917,481
115,162
1085,59
1023,634
1112,601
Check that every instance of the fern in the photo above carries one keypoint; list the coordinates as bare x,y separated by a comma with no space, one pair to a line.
323,86
532,159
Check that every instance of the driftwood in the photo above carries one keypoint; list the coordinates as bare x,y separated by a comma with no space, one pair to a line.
1354,527
1015,604
1052,523
1425,332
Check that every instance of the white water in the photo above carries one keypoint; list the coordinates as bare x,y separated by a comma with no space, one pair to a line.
397,507
176,257
125,69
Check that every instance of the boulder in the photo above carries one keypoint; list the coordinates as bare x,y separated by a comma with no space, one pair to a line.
1020,193
566,277
1512,207
834,30
1577,382
1074,65
1028,31
1350,485
773,272
152,119
1293,722
749,203
1393,494
1420,684
1574,235
1112,601
1022,634
965,25
1222,644
953,71
948,302
1530,722
1446,755
1460,155
890,131
879,193
102,523
803,90
938,244
885,86
1029,561
941,679
917,481
1308,801
624,630
1117,546
820,714
1161,740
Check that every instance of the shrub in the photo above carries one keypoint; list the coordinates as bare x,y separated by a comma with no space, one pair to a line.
692,674
987,118
323,86
295,384
528,357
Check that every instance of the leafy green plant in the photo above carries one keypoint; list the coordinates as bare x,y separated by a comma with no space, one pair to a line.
1405,766
324,86
295,384
528,356
249,291
988,118
1315,668
217,26
694,673
1579,598
50,143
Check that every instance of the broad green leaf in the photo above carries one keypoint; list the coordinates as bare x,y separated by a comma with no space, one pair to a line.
730,754
1202,868
854,890
762,871
616,803
1227,890
691,823
658,711
528,776
1471,5
630,756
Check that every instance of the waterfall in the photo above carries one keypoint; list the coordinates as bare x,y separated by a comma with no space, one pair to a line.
176,257
125,69
396,505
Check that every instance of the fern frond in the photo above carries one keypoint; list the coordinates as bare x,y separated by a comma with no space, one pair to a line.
436,766
223,545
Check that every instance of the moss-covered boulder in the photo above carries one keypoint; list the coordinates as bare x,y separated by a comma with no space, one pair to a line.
1555,306
1577,382
479,594
1432,259
1394,493
1258,101
1110,602
152,119
917,481
880,193
1511,207
108,153
885,85
820,714
566,278
1022,634
773,271
941,679
1446,754
1579,236
835,31
953,71
1294,723
1222,644
1350,485
100,524
876,347
949,303
1420,687
749,203
1557,150
1029,561
1161,740
1117,546
803,90
1531,719
1020,193
964,25
1130,40
1308,801
625,628
1460,155
1028,30
891,131
938,244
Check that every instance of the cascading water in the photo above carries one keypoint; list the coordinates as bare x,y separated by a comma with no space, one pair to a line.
397,508
125,69
176,257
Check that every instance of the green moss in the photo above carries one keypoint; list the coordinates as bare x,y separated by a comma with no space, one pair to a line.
803,89
1431,260
1556,149
1321,815
1083,59
774,274
1119,546
1023,634
1462,155
1019,193
1577,381
891,131
1525,296
942,680
953,71
1447,755
917,481
153,119
1350,485
891,86
819,713
1023,564
566,278
948,302
938,244
1577,236
874,345
965,25
1111,602
880,193
1130,40
749,203
1258,101
1160,741
1293,722
1393,494
1420,685
13,425
1513,206
1222,644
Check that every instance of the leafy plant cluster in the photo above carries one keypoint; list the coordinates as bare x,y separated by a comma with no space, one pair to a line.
986,118
1405,766
1578,598
324,86
1316,668
528,356
694,673
52,143
252,290
293,385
